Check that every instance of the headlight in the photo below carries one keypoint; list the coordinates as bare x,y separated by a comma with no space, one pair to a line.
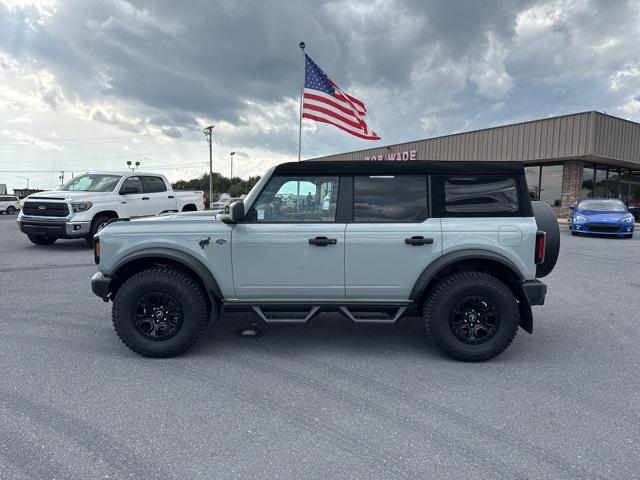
81,206
627,219
581,218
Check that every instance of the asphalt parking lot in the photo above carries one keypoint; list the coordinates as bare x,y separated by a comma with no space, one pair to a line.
329,399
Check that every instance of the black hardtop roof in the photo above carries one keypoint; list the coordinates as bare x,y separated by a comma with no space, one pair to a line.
373,167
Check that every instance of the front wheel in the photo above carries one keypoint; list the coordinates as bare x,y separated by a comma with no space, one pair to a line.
11,210
39,240
160,312
471,316
96,226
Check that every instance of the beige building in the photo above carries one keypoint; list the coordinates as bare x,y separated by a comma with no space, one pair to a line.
567,157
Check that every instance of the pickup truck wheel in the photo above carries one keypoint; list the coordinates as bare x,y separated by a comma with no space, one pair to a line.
96,225
39,240
471,316
160,312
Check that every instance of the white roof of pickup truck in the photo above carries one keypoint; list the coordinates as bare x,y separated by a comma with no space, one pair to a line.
121,172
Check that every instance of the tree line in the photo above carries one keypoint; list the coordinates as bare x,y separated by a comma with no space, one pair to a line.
234,187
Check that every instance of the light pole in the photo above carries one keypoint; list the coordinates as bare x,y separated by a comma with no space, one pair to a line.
231,178
208,132
25,178
133,168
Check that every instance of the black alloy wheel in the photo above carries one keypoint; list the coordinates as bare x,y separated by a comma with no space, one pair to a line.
157,316
474,320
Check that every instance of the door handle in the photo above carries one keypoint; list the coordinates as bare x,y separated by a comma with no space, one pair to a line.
322,241
418,240
145,198
170,196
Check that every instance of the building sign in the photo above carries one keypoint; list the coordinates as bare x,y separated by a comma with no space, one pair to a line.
397,156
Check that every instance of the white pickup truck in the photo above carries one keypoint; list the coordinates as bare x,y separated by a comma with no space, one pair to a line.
79,208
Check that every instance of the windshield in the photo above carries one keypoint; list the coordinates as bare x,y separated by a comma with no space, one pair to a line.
92,183
602,205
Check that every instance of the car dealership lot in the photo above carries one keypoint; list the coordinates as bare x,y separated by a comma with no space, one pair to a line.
325,400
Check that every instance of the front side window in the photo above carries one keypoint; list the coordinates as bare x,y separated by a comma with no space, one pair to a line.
154,184
390,198
131,185
298,199
471,195
91,183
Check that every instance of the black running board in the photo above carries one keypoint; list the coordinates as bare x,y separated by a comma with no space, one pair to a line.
299,314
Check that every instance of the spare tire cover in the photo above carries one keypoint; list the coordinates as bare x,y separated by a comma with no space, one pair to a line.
547,222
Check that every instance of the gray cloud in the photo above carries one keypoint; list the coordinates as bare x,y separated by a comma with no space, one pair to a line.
423,67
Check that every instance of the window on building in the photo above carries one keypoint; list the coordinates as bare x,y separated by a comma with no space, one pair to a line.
551,185
587,180
600,182
533,181
298,199
613,182
390,198
481,194
630,188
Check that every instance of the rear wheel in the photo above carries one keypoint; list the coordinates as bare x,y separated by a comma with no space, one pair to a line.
471,316
40,240
160,312
11,210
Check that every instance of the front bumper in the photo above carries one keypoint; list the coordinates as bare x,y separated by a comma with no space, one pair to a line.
63,228
535,291
100,285
603,228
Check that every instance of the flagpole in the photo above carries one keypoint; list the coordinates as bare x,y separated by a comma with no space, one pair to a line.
302,64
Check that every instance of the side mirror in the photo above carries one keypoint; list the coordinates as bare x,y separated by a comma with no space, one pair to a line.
128,190
572,207
236,213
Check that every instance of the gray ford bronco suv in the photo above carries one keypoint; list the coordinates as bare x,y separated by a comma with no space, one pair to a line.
459,243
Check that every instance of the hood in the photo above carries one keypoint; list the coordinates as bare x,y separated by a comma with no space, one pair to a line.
69,196
172,223
603,215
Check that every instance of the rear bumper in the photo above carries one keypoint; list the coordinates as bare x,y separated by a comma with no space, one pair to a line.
535,291
100,286
52,228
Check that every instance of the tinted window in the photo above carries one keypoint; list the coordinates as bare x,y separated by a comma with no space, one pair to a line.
154,184
389,198
480,195
298,199
132,182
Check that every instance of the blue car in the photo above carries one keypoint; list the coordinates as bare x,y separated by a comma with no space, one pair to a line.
602,216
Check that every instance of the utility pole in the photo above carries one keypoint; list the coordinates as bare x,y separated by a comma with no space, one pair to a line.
208,132
231,178
25,178
61,177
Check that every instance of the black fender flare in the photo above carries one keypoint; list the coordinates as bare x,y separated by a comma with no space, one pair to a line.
429,273
453,257
189,261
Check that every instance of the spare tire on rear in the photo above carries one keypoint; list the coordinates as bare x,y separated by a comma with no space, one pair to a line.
547,222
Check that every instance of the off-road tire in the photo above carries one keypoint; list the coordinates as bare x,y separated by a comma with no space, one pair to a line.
448,292
39,240
95,225
11,210
184,288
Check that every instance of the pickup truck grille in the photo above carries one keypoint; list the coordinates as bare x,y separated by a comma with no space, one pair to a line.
45,209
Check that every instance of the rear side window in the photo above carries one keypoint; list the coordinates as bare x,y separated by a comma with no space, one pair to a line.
390,198
480,194
154,184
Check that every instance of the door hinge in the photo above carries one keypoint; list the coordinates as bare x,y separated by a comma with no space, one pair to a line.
204,242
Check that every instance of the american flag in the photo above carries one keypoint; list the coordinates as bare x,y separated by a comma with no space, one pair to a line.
323,101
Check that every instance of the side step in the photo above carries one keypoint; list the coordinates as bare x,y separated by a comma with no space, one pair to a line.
292,316
373,314
378,314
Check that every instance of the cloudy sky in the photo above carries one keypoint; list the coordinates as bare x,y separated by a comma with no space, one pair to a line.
91,84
